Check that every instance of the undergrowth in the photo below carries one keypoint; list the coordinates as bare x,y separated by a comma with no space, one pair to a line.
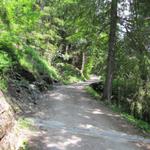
26,58
142,125
92,92
24,123
36,64
69,73
5,64
136,122
24,146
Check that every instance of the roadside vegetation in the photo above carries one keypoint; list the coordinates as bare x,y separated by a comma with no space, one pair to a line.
140,124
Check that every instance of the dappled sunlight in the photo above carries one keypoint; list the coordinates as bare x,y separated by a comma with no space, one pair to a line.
68,119
100,112
97,111
58,96
113,115
77,138
87,117
72,141
86,126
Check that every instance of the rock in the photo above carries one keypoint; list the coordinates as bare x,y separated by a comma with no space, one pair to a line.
7,126
27,75
47,79
42,85
97,86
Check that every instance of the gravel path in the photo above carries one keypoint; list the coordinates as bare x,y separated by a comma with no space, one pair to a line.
68,118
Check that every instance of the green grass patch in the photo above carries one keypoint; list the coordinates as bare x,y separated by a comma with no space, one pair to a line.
3,84
92,92
5,64
25,123
27,58
25,146
71,79
140,124
136,122
32,61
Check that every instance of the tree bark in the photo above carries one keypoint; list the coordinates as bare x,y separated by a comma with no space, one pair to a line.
83,62
107,93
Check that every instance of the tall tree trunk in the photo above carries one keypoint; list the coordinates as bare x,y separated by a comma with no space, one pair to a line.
83,62
107,93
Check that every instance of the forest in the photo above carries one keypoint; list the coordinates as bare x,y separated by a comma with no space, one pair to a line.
48,42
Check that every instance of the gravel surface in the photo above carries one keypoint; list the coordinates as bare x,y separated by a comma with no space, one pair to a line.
68,118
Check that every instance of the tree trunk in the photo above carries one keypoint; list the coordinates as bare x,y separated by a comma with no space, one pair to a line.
107,93
83,62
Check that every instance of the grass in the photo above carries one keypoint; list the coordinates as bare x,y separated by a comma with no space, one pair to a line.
92,92
5,64
3,84
140,124
144,126
25,146
28,59
24,123
32,61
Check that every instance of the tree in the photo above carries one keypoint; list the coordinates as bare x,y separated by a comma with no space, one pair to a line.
111,52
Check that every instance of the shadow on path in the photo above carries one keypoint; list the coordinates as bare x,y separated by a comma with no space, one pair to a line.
67,118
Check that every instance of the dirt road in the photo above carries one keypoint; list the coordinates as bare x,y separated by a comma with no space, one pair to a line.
68,118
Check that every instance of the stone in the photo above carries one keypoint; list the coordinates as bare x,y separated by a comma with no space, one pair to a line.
8,137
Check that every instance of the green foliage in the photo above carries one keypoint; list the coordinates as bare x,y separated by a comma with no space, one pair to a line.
5,65
22,39
32,61
24,123
69,73
144,126
3,84
88,67
25,146
136,122
5,61
92,92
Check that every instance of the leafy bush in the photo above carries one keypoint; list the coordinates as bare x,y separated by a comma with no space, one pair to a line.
138,123
33,62
5,64
88,67
69,73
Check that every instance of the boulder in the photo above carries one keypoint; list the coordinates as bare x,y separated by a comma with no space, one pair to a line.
8,135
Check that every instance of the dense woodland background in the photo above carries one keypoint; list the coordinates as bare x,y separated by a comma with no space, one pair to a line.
64,41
